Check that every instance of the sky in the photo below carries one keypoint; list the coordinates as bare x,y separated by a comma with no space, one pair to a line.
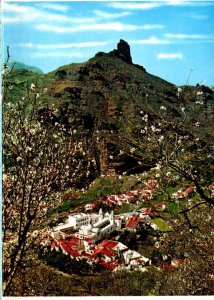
171,39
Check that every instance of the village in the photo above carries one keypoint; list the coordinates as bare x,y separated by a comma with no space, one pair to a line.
94,236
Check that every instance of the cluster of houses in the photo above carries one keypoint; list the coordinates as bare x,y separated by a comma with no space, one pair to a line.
129,197
110,254
84,236
140,195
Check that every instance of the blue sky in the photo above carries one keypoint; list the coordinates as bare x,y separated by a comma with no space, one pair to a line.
171,39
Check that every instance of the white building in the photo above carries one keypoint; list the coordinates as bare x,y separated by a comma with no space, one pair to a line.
104,226
79,220
74,222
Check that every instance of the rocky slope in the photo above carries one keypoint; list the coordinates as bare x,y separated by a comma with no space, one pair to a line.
104,100
101,96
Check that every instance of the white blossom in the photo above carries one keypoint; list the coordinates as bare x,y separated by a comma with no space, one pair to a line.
199,102
32,131
158,166
162,108
153,128
28,149
32,87
4,177
161,138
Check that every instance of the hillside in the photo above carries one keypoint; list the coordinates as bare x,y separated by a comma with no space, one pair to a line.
107,96
106,168
21,66
104,100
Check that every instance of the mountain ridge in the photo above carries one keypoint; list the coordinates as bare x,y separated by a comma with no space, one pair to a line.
104,100
16,65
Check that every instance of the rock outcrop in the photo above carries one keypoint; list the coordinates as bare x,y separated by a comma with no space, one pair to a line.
123,51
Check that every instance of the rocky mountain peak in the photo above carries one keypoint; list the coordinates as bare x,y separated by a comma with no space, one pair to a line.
123,51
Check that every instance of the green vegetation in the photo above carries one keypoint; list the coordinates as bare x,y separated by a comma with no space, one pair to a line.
161,224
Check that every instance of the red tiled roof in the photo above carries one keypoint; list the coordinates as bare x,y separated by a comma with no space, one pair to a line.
70,246
108,244
147,211
168,267
129,194
108,252
109,265
112,197
132,222
54,245
189,190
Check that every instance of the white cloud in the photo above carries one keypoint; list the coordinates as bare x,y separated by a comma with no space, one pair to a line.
54,6
155,4
61,46
170,56
17,8
196,16
188,3
81,20
133,5
19,13
151,41
188,36
116,26
152,26
106,15
58,54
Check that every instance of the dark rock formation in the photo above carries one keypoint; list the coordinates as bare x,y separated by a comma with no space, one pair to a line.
123,51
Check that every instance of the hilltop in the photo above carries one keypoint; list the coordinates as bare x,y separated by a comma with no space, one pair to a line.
103,100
